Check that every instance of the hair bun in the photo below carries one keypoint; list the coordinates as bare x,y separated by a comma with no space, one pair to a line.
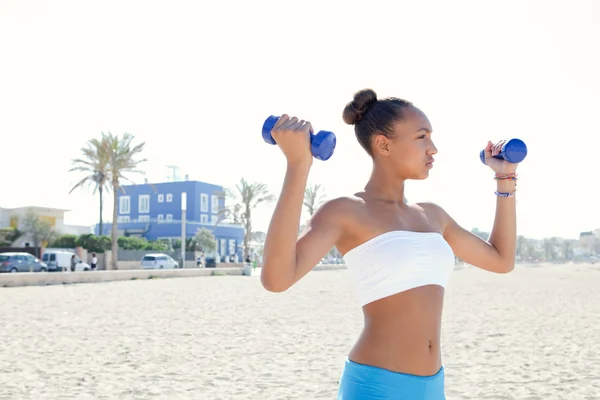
356,109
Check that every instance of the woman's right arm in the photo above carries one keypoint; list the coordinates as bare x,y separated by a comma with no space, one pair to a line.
287,258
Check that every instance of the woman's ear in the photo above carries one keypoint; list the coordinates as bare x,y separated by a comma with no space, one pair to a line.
382,145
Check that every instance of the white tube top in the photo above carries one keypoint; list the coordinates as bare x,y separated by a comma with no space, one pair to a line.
397,261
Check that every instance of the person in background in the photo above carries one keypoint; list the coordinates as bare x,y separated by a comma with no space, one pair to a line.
94,262
73,263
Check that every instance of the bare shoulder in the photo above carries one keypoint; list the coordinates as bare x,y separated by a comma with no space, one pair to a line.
435,212
322,231
339,210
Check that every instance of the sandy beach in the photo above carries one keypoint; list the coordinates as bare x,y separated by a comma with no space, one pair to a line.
532,334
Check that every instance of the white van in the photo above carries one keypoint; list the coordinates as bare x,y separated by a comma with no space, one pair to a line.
60,260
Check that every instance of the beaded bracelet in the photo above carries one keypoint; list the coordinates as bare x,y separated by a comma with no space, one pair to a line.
512,177
504,177
505,194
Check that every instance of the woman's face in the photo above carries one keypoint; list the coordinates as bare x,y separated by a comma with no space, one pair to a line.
409,152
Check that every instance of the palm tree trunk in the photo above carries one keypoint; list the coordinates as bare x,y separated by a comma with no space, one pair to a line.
248,234
101,231
246,243
115,244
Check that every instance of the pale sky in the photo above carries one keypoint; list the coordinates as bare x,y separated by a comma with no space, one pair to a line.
196,79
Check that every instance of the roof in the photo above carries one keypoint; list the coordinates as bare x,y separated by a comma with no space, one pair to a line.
167,183
38,208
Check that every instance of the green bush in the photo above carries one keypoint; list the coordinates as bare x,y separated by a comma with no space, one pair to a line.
131,243
98,244
156,246
93,243
9,235
65,242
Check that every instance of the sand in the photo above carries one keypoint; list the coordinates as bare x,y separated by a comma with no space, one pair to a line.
531,334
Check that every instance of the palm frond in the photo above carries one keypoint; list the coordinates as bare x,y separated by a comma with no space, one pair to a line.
245,198
313,197
94,163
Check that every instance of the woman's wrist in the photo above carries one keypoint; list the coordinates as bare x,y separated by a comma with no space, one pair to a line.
506,184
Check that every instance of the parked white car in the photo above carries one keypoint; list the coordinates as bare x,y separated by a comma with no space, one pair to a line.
60,260
158,261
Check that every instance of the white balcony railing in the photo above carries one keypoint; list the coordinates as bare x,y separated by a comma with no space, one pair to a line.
177,221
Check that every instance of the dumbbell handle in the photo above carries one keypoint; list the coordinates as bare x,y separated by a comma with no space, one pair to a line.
513,151
322,144
268,127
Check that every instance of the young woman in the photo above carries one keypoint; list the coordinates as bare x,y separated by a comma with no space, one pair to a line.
400,255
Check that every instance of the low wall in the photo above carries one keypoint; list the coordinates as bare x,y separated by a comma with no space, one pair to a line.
136,265
58,278
329,267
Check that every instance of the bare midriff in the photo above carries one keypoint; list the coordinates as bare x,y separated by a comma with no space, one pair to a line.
402,332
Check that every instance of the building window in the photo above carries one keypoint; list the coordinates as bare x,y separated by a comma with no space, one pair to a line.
203,202
144,218
124,203
223,249
122,219
169,197
169,217
160,217
161,198
215,204
204,219
213,220
144,203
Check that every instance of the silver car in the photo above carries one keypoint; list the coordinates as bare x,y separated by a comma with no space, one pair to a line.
158,261
21,262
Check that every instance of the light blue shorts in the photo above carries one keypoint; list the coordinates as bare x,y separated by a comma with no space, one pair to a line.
365,382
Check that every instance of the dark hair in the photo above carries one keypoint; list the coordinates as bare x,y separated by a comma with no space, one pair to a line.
370,115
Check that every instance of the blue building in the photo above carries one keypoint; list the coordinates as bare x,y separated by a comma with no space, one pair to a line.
153,211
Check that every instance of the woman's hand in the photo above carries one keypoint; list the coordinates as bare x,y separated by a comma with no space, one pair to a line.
293,138
499,166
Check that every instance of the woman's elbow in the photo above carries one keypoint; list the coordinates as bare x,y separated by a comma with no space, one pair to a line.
272,283
506,267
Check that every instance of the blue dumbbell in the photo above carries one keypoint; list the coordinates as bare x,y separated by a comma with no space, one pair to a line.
513,151
322,144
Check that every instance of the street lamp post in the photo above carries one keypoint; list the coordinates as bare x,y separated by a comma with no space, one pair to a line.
183,218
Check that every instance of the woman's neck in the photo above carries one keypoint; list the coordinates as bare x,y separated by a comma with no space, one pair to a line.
385,186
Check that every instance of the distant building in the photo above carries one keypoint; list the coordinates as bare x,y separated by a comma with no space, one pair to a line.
589,242
153,211
13,217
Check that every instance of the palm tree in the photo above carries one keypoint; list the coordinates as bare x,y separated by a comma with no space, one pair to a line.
567,249
249,196
550,248
95,164
313,197
122,156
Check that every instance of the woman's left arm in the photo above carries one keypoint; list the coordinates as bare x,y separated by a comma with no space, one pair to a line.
497,254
